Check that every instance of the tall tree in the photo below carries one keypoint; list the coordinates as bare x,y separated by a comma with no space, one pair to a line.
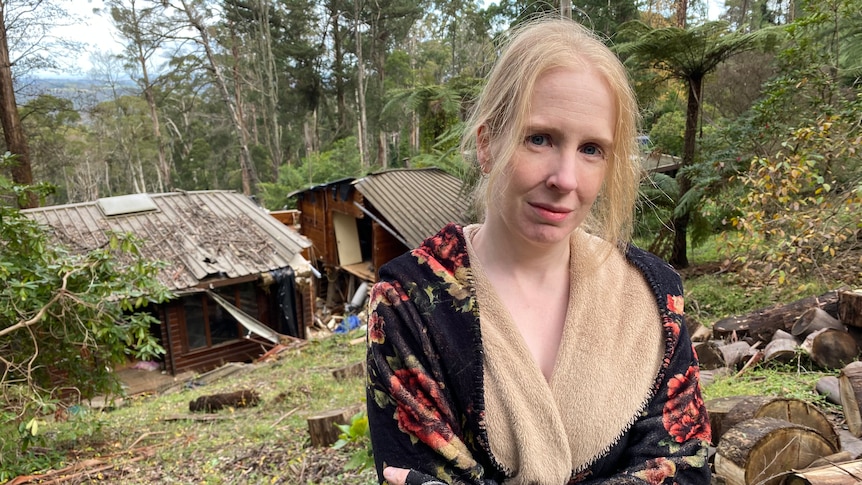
194,14
13,131
688,55
142,26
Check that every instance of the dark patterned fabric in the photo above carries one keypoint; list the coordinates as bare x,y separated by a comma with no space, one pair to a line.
425,379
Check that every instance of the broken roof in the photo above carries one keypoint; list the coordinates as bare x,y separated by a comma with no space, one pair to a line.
416,203
200,235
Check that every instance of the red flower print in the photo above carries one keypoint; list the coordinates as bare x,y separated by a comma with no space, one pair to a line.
421,410
684,416
676,304
657,471
375,329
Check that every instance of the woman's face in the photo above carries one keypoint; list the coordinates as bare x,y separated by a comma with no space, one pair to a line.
560,162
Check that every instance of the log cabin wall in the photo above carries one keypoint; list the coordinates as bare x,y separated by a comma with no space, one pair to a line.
316,224
386,247
317,206
180,357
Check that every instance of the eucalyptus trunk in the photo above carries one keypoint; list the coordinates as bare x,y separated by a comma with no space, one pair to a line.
13,131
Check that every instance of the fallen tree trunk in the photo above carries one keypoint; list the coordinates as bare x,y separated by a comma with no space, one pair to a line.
762,324
765,450
215,402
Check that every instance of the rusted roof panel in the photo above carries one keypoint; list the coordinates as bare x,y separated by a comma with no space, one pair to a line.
416,203
200,235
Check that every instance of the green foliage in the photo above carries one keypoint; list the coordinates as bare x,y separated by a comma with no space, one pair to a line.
67,317
667,132
339,162
796,214
358,435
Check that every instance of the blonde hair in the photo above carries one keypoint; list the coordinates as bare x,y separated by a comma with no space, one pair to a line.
533,48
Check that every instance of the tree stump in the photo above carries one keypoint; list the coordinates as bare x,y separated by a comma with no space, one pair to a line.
764,450
850,308
216,402
813,319
850,389
834,474
347,372
322,427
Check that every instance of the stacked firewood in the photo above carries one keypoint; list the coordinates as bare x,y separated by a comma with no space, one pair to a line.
773,440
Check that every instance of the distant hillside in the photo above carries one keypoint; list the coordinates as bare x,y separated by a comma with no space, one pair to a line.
83,92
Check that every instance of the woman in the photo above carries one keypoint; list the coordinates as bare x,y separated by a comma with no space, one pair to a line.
538,347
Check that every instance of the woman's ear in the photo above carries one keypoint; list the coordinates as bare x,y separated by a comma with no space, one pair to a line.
483,149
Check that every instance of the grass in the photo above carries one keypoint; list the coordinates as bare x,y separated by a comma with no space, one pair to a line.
268,443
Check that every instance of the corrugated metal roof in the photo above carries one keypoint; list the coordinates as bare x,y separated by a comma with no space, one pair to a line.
415,202
198,234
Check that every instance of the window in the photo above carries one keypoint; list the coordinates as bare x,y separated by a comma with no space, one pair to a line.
208,324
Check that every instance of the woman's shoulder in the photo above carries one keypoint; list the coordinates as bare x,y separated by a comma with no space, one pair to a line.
657,271
446,250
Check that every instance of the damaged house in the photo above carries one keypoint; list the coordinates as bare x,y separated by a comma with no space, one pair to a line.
357,225
240,280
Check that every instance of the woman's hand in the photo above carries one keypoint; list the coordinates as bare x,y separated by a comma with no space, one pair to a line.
402,476
395,476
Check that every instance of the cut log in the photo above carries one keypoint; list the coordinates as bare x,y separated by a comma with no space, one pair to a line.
780,350
833,349
718,409
736,353
835,474
347,372
840,457
813,319
762,324
801,412
765,450
850,443
216,402
734,410
322,427
708,376
828,386
708,355
850,389
781,334
850,308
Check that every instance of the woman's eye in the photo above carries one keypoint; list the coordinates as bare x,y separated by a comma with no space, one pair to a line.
592,150
538,140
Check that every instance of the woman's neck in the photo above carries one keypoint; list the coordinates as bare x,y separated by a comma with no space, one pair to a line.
498,250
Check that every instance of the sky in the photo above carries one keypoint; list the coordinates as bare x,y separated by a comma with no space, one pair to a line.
95,32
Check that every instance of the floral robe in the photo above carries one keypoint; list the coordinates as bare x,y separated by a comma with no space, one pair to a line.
425,393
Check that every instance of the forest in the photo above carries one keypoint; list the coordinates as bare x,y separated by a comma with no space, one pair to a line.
270,96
